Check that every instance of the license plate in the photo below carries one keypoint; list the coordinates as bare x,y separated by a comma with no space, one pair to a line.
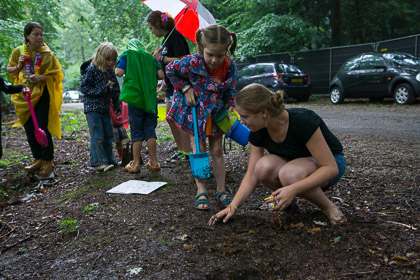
297,80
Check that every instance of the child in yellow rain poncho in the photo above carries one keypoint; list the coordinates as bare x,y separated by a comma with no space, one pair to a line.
35,66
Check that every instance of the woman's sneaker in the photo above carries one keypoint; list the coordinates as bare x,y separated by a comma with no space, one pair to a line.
34,167
47,170
175,157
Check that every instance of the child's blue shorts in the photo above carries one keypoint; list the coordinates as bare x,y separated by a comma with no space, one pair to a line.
142,124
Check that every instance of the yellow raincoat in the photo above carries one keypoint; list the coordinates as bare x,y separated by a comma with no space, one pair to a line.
52,70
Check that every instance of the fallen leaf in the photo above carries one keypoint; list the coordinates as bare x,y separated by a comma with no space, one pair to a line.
183,237
314,230
337,239
399,258
298,225
188,246
135,270
230,250
319,223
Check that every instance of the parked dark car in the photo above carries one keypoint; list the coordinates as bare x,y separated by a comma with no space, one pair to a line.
277,76
376,76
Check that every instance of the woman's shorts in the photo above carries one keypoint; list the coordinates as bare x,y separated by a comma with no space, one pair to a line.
142,124
119,132
341,164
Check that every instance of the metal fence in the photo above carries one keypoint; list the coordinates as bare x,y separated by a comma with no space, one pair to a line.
321,65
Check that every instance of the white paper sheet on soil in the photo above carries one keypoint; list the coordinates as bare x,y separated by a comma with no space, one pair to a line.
136,186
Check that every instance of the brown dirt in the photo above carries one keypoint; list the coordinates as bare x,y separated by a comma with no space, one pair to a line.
161,235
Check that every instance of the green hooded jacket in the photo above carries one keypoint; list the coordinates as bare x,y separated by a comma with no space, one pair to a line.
140,80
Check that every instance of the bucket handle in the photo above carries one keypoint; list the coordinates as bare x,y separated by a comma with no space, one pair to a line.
230,132
237,115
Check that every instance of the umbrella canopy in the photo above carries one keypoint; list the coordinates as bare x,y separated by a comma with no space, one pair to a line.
195,17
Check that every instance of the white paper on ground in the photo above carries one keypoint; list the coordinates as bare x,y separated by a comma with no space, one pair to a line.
136,186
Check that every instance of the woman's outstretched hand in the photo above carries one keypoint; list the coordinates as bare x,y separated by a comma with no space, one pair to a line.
281,198
227,213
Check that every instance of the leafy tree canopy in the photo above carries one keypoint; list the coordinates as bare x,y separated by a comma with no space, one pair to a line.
287,33
74,28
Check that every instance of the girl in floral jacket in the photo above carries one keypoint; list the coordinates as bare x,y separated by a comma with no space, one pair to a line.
208,77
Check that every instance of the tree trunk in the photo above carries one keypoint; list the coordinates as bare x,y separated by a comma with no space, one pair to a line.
335,22
360,31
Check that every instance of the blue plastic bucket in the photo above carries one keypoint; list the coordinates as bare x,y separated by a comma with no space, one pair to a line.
239,133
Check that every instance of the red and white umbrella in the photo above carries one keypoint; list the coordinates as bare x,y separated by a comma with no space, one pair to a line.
189,15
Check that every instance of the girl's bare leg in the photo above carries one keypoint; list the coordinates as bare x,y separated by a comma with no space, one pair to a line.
201,186
218,160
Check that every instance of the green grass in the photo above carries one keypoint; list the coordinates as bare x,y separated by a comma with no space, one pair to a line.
73,121
167,187
77,192
14,132
13,157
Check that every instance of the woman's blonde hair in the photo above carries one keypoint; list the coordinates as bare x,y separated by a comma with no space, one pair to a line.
256,97
105,51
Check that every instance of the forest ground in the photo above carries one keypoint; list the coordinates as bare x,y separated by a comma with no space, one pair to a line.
73,229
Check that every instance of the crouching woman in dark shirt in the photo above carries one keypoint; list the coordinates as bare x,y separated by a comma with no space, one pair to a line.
304,158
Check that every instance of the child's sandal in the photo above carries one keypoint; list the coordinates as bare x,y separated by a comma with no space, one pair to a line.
129,167
153,168
202,201
227,200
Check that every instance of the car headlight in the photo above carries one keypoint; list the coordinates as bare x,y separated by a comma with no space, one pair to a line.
418,77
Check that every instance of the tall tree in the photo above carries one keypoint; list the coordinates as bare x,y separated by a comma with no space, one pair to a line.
335,21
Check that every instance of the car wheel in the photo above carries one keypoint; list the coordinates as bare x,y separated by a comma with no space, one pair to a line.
404,94
336,95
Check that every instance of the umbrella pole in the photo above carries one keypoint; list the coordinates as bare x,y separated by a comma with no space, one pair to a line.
175,25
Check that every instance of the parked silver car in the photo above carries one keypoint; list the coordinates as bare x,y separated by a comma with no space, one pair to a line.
72,96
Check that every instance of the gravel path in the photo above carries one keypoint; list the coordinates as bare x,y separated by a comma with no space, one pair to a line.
395,121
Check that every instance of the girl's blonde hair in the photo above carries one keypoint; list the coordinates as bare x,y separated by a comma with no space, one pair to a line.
215,34
256,97
105,51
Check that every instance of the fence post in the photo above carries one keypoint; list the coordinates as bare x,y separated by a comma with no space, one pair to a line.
330,68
